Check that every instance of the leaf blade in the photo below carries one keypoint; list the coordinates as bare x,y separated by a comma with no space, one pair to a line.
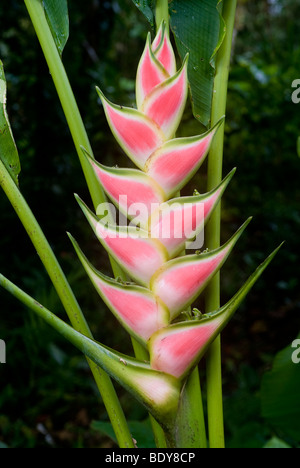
58,19
198,29
147,8
8,150
280,394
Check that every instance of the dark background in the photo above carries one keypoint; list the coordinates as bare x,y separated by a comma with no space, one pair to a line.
47,397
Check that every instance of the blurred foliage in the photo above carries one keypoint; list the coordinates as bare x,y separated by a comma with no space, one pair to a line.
282,380
47,397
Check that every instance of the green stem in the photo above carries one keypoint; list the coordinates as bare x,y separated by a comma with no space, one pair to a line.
162,13
68,300
213,230
190,431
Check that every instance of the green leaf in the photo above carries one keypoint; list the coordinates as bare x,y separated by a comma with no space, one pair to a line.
141,431
105,428
276,443
199,30
8,150
298,146
280,393
146,7
58,19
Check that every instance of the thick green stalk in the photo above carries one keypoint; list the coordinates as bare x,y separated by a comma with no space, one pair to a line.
68,300
190,431
162,13
213,230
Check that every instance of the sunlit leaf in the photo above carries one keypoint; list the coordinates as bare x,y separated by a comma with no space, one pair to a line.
147,8
58,20
8,150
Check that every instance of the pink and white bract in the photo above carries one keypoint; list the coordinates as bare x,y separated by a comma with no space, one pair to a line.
150,249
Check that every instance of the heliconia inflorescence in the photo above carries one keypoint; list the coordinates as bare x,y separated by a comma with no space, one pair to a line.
151,249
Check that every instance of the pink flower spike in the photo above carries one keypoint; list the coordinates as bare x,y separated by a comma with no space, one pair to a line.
180,281
177,348
175,163
163,50
182,219
166,102
138,135
150,73
131,190
134,306
139,255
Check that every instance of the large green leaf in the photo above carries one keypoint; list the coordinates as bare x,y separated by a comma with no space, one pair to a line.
199,30
280,393
58,20
8,150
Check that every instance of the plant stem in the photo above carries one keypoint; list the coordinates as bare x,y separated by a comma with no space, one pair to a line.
213,230
162,13
190,431
68,300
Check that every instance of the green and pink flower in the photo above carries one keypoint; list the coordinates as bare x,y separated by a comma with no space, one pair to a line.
161,225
